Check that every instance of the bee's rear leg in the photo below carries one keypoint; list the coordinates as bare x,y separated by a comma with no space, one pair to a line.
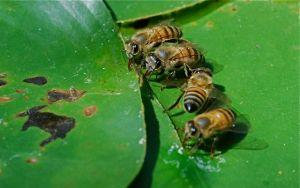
212,148
176,102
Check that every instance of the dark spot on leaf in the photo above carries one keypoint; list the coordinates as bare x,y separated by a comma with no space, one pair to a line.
38,80
2,83
58,126
5,99
140,24
32,160
90,110
67,95
233,9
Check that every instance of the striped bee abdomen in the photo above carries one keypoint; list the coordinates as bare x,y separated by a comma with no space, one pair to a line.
165,32
188,55
229,116
194,99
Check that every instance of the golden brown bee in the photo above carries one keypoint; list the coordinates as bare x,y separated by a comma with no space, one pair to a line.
208,126
172,57
197,91
142,42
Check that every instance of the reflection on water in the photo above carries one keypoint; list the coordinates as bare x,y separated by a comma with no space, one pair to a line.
179,158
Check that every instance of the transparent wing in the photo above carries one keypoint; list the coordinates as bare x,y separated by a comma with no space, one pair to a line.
217,99
213,65
251,143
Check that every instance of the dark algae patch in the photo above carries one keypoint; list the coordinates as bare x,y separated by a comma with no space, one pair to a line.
38,80
58,126
67,95
2,83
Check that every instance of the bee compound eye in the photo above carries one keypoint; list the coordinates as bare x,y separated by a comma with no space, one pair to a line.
203,122
135,48
191,128
158,63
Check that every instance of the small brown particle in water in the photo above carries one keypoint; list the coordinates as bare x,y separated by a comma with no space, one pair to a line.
210,24
5,99
233,8
32,160
90,110
20,91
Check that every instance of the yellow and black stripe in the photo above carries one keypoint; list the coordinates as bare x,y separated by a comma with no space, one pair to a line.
228,114
166,32
194,99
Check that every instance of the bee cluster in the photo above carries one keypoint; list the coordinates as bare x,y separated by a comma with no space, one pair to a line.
161,50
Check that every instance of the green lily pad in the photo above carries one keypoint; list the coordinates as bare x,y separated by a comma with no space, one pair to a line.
75,46
130,11
257,43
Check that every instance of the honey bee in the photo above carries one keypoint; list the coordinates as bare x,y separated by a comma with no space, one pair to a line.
207,126
143,41
197,91
172,57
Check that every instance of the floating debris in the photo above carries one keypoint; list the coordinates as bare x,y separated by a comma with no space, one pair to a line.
20,91
5,99
38,80
32,160
90,110
58,126
67,95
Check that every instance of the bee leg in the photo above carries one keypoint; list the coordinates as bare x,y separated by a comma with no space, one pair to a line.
162,87
212,148
187,70
180,129
175,104
130,64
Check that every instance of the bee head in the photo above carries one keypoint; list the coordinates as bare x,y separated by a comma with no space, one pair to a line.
153,63
191,134
202,70
132,49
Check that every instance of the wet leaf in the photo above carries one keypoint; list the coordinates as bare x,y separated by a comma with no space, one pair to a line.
259,54
73,45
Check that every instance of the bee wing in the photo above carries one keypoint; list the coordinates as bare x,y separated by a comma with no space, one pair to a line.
251,143
175,83
241,125
217,99
213,65
170,21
